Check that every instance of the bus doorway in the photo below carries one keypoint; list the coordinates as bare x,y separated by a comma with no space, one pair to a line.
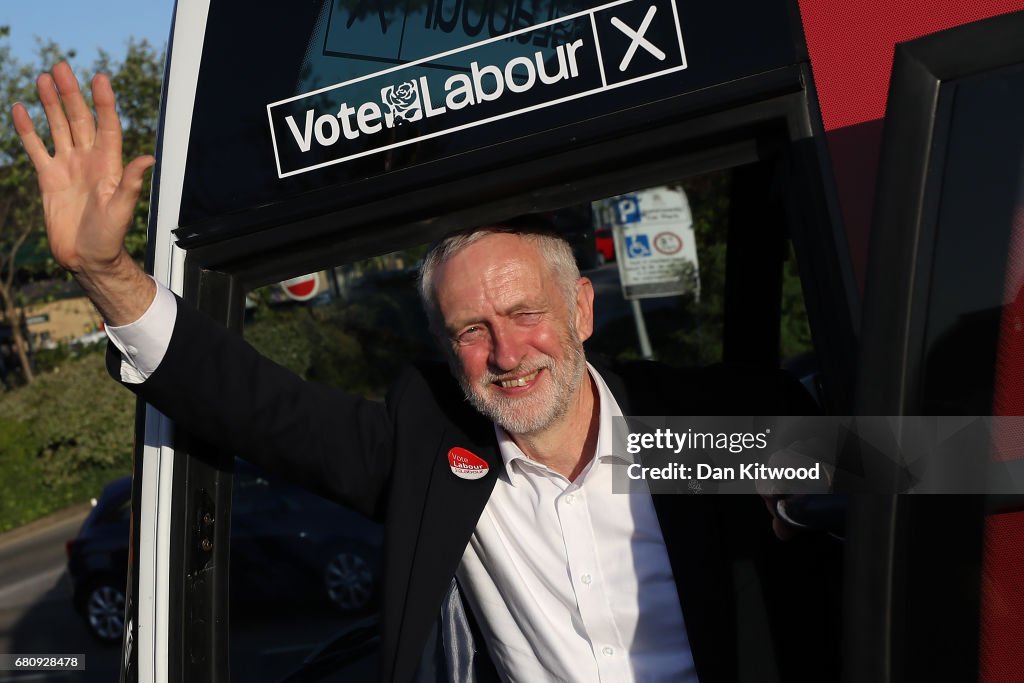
341,140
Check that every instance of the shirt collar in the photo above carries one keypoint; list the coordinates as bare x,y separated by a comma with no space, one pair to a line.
607,412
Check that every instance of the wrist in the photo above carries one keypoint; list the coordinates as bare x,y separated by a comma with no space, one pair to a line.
119,288
97,267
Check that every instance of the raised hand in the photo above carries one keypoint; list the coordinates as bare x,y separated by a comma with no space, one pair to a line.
88,194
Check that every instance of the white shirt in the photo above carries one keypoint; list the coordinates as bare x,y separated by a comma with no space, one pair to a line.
144,342
571,581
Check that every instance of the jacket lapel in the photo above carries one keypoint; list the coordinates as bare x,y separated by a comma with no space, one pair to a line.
696,553
452,507
703,579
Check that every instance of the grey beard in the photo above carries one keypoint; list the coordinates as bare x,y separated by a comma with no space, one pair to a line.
508,413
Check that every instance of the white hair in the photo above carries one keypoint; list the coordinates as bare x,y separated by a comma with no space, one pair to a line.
555,251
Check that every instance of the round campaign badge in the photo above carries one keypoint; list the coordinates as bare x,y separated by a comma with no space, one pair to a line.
466,465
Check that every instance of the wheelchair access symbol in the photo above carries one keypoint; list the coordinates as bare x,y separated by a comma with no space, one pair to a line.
638,246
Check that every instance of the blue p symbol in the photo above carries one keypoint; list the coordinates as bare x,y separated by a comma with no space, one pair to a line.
628,209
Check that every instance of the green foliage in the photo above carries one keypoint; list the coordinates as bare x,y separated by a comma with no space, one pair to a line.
359,346
23,496
51,359
61,439
699,340
297,339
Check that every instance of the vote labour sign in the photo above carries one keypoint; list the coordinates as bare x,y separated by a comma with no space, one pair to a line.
599,49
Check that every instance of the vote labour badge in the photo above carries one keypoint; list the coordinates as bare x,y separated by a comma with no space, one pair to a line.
466,465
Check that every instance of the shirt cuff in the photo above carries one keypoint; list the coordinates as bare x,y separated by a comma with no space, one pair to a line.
144,342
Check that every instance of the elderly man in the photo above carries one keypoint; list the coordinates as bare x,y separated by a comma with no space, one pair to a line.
501,521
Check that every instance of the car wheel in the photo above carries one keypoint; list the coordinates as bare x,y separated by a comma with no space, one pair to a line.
104,613
349,581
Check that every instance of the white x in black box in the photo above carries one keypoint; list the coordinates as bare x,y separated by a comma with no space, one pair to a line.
639,39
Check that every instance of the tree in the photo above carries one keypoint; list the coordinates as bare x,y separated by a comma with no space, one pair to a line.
137,80
20,211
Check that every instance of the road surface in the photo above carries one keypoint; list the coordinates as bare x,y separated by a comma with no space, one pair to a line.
36,617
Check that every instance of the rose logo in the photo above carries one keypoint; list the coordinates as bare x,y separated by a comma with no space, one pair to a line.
403,101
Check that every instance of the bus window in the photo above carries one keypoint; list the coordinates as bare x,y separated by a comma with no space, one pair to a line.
977,276
304,572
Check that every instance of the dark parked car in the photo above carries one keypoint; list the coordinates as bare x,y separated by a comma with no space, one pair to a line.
287,545
98,561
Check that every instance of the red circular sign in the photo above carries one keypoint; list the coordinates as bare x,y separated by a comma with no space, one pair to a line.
668,243
302,288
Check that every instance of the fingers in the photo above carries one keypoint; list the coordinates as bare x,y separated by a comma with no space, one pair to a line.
33,144
109,125
127,193
783,531
71,123
83,127
60,131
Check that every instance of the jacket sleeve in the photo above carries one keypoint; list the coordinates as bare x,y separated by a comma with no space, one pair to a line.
215,386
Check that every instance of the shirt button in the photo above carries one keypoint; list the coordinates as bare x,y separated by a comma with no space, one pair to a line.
570,498
608,651
132,351
586,579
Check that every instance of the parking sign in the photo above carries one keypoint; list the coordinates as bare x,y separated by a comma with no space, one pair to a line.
654,231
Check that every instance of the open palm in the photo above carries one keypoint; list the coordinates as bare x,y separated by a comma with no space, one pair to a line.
88,194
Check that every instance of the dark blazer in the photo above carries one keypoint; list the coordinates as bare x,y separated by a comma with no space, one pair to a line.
390,460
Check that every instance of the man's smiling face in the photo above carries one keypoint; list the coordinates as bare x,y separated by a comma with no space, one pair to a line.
516,342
